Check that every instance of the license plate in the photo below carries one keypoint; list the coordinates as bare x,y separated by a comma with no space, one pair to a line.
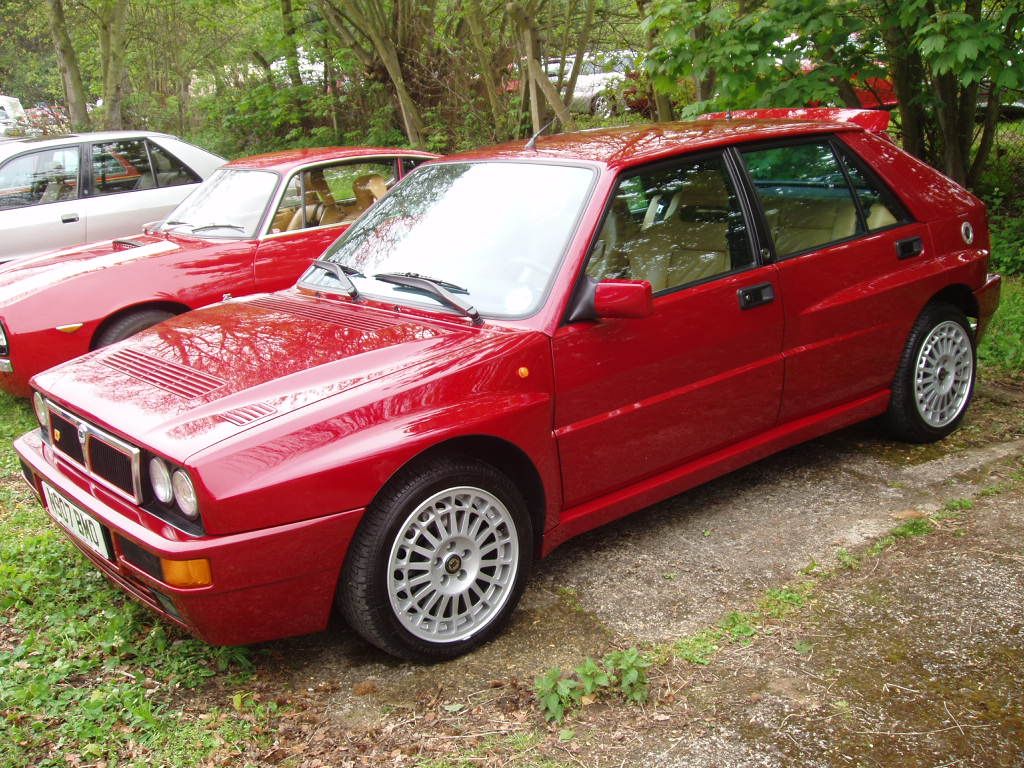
78,523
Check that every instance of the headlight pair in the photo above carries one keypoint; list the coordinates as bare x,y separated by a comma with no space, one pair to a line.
173,485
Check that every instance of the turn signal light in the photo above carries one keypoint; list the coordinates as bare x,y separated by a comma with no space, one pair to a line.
186,573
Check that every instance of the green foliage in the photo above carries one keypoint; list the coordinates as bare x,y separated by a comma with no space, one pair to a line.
779,603
627,670
1007,233
699,648
87,675
623,672
1002,348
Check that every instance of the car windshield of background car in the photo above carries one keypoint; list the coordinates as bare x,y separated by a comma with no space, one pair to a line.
494,232
230,204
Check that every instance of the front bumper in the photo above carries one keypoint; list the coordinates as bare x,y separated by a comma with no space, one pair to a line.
266,584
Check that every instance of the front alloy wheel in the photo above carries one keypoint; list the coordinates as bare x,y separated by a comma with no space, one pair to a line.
439,560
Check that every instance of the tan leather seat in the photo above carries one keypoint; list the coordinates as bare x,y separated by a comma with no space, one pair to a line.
318,200
368,189
608,259
799,224
690,242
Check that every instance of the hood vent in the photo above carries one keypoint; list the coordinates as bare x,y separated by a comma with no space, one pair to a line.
170,377
247,414
360,319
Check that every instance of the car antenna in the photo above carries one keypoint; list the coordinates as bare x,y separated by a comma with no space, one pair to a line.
532,143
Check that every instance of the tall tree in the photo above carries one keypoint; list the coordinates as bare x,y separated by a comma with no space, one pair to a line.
946,59
385,28
70,72
111,16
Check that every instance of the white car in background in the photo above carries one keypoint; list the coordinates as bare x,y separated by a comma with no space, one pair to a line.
62,191
12,116
601,75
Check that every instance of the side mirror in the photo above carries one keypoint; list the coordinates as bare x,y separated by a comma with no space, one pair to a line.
623,299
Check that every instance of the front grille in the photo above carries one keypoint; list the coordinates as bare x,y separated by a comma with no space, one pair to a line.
65,438
111,464
107,459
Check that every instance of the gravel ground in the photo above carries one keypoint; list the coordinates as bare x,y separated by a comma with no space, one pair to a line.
914,658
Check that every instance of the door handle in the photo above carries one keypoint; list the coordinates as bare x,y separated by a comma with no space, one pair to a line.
756,295
912,246
68,218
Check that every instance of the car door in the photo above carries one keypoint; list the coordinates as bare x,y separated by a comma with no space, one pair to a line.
317,204
40,207
636,397
131,182
835,229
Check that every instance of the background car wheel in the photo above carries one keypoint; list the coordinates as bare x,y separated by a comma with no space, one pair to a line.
935,379
129,324
602,106
439,561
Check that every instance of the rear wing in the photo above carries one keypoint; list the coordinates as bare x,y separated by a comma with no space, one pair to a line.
873,120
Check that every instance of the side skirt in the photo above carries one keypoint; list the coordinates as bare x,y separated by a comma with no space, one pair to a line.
597,512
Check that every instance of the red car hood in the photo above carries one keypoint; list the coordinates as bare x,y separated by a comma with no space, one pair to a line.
194,380
24,277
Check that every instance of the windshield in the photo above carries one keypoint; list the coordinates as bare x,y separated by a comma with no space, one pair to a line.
492,232
228,204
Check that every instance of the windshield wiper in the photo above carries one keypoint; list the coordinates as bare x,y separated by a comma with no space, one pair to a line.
218,226
440,289
176,223
341,273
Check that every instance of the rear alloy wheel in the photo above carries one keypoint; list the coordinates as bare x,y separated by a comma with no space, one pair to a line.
936,376
439,562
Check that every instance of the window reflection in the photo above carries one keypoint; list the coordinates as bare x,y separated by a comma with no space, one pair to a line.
496,229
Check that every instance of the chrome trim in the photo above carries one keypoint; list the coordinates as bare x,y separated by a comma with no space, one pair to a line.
95,433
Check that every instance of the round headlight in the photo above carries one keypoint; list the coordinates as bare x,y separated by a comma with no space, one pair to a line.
185,494
160,479
42,412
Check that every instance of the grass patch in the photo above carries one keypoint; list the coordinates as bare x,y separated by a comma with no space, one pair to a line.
89,676
1002,348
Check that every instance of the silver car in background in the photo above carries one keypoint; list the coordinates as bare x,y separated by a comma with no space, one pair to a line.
57,192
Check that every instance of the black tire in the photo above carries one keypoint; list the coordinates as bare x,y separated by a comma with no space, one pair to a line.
908,417
363,595
129,324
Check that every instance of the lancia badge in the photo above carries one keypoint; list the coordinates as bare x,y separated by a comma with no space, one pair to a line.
83,433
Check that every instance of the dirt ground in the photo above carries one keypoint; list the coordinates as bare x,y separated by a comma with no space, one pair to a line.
913,658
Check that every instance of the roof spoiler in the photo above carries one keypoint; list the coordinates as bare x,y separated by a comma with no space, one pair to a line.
873,120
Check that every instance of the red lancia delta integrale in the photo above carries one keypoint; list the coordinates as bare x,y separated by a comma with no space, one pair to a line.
514,346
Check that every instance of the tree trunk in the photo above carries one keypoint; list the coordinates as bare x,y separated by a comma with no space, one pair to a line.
67,62
528,32
662,103
474,19
581,49
112,25
383,45
291,50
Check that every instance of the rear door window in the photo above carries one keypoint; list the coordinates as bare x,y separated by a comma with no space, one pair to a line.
121,166
806,199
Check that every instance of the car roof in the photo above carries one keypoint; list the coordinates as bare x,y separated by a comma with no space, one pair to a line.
629,145
289,159
42,142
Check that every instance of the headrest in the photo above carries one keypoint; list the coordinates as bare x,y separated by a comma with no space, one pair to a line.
370,183
705,189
